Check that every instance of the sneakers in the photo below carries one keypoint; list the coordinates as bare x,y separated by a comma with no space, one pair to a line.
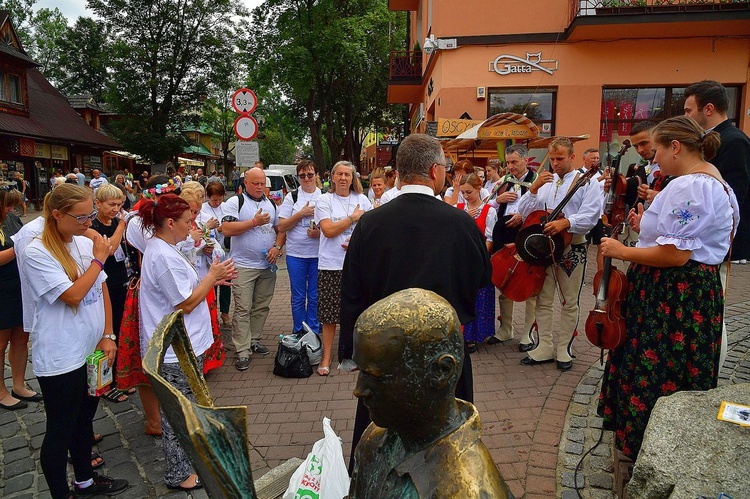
242,363
741,262
102,485
259,349
347,366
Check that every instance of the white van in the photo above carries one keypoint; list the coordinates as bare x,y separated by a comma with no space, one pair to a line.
281,183
290,169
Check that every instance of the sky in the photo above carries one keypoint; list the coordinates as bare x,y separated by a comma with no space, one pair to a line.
72,9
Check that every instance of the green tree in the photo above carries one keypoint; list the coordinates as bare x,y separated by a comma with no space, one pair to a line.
49,27
162,64
83,59
22,15
328,58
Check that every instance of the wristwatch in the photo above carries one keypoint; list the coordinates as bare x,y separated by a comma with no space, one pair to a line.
109,337
277,247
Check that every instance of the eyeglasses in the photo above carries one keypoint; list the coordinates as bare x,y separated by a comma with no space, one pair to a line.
84,218
305,175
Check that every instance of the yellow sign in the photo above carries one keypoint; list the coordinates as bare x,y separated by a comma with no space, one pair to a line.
42,151
453,127
59,152
506,132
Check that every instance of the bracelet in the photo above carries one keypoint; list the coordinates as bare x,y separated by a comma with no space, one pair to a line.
98,262
350,218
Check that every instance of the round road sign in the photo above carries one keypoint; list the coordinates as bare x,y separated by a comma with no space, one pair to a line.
245,127
244,101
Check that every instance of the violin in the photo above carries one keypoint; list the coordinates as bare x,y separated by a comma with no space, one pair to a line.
538,248
605,325
615,207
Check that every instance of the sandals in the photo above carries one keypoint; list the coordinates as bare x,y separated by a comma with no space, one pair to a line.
116,396
198,485
324,370
97,461
98,437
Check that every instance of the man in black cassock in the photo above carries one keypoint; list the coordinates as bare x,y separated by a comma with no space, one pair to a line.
414,241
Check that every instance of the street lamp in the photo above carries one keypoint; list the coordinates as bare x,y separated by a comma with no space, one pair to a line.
261,119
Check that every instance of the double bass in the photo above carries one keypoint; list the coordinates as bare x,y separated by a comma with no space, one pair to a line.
538,248
605,325
519,274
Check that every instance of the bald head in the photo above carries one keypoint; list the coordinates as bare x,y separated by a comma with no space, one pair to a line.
255,182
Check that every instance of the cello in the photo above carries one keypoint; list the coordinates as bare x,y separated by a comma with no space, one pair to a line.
605,325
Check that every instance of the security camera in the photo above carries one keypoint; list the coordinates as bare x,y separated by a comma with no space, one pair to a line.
430,45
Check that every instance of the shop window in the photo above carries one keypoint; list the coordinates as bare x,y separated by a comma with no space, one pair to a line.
536,104
624,107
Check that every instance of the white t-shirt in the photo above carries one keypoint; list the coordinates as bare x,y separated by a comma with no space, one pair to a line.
298,243
134,232
62,336
21,240
208,212
249,248
390,195
694,213
95,183
333,207
168,279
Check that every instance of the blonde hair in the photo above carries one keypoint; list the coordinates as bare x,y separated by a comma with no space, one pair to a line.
356,184
193,192
107,192
62,199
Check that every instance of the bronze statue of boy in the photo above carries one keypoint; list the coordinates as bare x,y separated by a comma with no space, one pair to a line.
423,442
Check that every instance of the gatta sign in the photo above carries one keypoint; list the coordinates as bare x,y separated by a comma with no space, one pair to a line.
510,64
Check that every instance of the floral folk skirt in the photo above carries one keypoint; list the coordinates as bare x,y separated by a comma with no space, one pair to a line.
674,320
483,326
215,355
128,364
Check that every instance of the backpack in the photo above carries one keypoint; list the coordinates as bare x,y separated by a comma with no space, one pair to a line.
240,203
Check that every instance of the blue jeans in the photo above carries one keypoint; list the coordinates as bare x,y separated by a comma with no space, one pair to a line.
303,281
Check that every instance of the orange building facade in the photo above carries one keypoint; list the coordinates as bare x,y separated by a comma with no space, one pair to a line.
573,67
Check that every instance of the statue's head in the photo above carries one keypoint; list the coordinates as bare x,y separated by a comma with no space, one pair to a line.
409,349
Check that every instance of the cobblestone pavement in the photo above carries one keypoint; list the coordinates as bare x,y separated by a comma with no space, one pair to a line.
537,421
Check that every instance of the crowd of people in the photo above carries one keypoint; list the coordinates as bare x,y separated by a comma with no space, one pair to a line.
101,267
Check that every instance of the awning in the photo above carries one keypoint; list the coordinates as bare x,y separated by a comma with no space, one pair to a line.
488,133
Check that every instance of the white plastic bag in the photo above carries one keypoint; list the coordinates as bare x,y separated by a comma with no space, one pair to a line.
323,475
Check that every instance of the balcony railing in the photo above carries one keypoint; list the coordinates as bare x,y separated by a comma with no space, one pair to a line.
405,65
613,7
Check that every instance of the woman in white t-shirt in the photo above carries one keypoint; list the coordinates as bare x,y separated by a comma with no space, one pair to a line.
296,219
214,208
169,282
72,319
201,248
336,213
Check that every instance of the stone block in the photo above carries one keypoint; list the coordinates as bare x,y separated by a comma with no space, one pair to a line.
567,480
578,422
10,429
687,449
14,443
16,455
601,480
576,435
574,448
18,483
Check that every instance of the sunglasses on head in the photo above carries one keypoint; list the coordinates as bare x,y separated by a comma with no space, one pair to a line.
305,175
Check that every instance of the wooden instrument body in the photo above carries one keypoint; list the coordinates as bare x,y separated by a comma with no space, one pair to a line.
515,278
